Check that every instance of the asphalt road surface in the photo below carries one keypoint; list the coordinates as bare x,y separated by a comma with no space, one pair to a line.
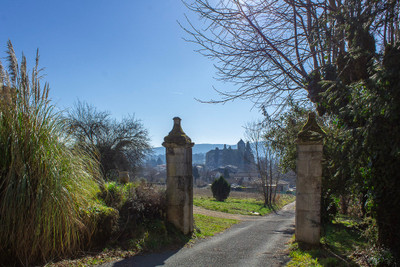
250,243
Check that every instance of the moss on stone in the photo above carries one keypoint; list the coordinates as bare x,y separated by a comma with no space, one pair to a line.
177,136
311,131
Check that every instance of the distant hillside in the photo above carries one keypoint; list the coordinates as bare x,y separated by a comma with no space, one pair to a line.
197,149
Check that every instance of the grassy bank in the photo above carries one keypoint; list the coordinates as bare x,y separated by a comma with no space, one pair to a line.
341,245
244,206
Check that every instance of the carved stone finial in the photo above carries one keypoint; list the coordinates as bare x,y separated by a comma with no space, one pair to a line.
177,136
311,132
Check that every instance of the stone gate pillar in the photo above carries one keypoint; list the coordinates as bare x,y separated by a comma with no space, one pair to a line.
308,184
179,178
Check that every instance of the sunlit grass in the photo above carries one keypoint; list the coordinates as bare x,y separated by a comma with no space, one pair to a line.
302,259
341,239
209,226
243,206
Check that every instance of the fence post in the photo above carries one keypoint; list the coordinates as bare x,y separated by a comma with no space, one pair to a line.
179,178
308,184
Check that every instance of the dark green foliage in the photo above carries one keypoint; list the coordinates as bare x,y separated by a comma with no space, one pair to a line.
282,134
366,150
220,189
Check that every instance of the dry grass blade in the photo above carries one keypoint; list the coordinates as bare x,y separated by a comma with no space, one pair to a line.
2,73
12,63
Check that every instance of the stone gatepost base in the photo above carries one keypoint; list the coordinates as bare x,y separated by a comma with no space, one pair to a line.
308,196
308,183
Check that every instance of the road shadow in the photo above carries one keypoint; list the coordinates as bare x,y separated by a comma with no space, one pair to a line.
147,260
285,232
290,231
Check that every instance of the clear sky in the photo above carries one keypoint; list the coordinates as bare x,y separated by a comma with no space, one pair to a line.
125,57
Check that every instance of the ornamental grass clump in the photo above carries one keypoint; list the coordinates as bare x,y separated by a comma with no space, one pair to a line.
45,185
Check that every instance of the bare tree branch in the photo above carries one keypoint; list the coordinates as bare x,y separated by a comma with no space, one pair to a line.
273,50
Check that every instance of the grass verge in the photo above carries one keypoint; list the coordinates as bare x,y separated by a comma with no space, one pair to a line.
243,206
341,240
155,236
208,226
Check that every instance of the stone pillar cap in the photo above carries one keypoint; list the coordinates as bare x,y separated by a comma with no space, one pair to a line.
311,133
177,136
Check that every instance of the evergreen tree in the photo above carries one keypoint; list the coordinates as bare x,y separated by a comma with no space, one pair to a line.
220,189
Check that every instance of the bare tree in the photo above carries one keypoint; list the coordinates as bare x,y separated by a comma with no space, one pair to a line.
121,145
265,161
276,49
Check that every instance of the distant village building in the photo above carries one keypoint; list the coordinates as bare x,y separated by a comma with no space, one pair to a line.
282,187
242,157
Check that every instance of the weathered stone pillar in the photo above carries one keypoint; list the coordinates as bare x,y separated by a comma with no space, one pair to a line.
179,178
308,184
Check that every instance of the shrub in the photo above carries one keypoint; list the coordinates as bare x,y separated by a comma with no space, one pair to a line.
106,223
44,184
113,194
145,203
220,189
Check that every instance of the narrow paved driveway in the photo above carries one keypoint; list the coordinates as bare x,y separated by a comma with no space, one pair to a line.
258,242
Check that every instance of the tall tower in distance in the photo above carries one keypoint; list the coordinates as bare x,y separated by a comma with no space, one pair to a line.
241,145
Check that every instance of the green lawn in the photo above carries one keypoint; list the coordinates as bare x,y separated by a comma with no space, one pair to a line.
208,226
244,206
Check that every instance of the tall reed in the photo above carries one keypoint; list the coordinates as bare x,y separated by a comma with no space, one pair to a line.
45,185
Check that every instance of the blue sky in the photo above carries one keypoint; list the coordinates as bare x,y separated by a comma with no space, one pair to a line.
125,57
